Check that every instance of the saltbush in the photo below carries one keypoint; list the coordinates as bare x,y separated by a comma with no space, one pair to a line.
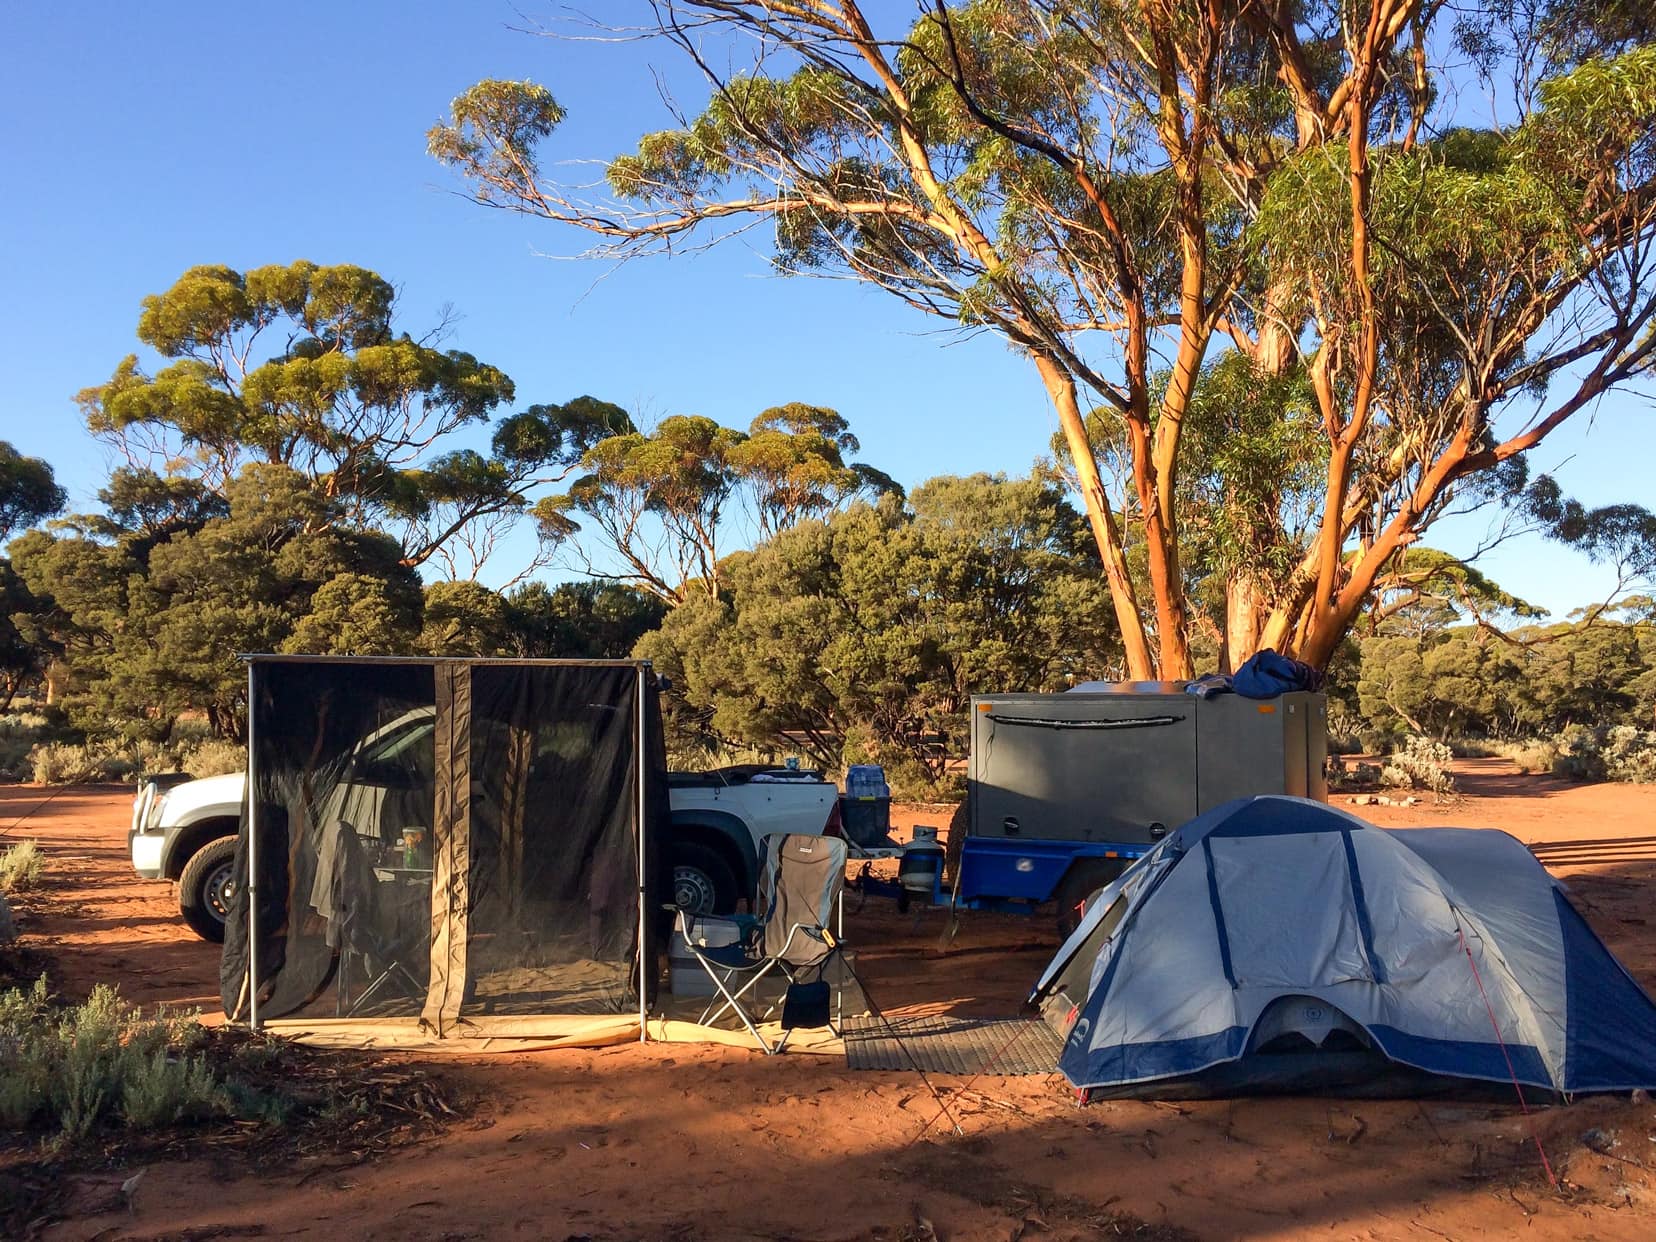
64,763
213,757
1534,755
1617,753
1420,763
21,867
1358,775
103,1062
20,733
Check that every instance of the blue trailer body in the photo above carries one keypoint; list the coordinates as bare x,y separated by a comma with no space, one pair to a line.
1003,870
1011,876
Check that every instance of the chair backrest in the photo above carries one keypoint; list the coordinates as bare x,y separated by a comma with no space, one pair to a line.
800,885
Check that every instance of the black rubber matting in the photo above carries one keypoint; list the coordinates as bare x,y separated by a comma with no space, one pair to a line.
943,1045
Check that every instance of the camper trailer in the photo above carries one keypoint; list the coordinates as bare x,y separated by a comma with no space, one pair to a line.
1065,790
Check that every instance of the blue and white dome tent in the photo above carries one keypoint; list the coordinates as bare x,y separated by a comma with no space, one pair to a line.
1279,944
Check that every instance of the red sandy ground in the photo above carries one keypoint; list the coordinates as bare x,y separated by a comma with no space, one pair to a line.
692,1142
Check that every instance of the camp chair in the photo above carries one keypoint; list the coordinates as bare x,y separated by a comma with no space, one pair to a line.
373,931
798,897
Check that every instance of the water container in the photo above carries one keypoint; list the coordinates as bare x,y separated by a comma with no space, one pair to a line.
865,810
866,780
921,865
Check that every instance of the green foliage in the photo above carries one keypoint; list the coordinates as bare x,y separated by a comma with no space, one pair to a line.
20,733
29,491
151,627
301,366
465,619
1420,763
110,758
1538,685
1426,589
343,399
25,650
581,620
662,503
863,635
1621,752
1248,491
98,1063
495,126
1081,177
213,758
358,614
64,763
21,867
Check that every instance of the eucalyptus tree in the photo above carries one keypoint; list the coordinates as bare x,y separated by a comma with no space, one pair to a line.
665,506
29,491
1124,188
301,366
865,633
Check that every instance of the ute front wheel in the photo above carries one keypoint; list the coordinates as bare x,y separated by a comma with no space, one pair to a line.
207,887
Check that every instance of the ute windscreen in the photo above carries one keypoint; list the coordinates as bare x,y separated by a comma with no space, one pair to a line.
449,839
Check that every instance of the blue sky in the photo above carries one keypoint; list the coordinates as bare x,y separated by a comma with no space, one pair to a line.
148,138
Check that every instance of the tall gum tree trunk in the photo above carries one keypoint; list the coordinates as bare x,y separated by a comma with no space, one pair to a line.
1244,621
1134,640
1248,604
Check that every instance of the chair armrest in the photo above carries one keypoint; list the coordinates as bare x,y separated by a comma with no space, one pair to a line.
813,931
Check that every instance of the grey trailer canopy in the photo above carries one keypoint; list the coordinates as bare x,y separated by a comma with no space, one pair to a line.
466,847
1279,944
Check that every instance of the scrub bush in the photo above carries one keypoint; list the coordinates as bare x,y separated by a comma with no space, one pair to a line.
71,1070
213,757
21,867
1420,763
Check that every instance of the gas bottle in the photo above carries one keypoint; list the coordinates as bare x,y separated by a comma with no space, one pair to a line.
921,864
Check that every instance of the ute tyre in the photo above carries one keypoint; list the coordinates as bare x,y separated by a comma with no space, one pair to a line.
703,882
206,887
1080,882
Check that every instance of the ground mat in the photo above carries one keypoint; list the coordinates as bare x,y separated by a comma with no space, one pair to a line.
952,1045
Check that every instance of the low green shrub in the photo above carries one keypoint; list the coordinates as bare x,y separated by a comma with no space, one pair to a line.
1344,776
1534,755
1474,748
74,1069
21,867
65,763
213,757
20,733
1420,763
1617,753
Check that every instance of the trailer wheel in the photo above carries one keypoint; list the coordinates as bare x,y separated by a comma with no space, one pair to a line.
1084,878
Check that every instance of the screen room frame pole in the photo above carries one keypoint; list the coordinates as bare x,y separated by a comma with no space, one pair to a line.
640,768
252,855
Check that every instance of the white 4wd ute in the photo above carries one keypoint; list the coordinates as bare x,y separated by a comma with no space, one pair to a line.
185,830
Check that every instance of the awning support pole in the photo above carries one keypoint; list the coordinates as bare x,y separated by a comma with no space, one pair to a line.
640,760
252,860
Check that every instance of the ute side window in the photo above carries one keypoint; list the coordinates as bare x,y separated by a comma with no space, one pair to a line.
403,759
